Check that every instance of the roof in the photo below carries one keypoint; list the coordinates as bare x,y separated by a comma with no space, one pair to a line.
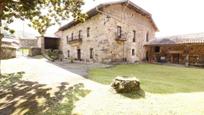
10,43
51,37
9,46
94,12
196,38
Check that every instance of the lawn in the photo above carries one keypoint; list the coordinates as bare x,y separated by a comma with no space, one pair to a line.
155,78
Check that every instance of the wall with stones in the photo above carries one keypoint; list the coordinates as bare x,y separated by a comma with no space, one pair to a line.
97,40
129,20
28,43
7,52
34,51
103,28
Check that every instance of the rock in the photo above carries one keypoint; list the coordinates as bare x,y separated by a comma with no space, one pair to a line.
125,84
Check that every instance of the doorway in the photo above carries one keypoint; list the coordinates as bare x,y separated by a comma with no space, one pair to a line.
175,58
147,56
79,54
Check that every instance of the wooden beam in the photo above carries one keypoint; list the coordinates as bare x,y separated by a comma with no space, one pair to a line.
187,50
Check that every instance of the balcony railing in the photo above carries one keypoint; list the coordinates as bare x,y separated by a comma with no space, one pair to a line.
120,36
75,39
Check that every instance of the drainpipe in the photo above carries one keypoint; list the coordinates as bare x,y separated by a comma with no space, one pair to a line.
123,17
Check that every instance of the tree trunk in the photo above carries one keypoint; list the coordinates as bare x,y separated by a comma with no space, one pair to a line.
0,45
1,34
1,15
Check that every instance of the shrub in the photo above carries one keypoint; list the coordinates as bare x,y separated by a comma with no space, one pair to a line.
52,55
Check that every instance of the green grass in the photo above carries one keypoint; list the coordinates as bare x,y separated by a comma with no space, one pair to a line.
155,78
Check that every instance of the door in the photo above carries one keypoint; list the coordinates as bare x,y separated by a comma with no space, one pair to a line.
147,56
176,58
79,54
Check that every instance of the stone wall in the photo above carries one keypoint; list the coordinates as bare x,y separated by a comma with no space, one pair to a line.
34,51
97,36
28,43
7,52
103,30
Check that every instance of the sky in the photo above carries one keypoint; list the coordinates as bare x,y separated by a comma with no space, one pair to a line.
172,17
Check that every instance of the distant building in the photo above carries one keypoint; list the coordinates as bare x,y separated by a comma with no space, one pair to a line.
29,46
113,32
28,43
182,49
9,46
48,42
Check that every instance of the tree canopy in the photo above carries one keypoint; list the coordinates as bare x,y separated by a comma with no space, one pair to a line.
40,13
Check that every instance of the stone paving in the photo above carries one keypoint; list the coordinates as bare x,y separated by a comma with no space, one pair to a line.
51,73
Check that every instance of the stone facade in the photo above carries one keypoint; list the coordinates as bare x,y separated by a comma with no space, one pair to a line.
34,51
28,43
117,33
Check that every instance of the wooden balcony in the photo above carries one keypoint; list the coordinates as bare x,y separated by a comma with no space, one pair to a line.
120,36
75,39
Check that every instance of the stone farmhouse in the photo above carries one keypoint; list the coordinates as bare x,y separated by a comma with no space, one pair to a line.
31,45
113,32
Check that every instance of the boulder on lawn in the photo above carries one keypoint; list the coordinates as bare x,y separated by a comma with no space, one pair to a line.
125,84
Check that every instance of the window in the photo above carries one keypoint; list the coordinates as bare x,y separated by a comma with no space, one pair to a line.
133,52
67,37
72,37
68,53
157,49
119,31
88,31
80,34
91,53
147,37
134,36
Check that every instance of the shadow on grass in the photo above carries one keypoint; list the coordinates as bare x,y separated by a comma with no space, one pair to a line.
135,95
32,98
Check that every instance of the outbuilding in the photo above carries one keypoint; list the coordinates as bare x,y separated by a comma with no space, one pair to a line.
183,49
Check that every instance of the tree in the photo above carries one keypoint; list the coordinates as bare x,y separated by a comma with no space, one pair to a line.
40,13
